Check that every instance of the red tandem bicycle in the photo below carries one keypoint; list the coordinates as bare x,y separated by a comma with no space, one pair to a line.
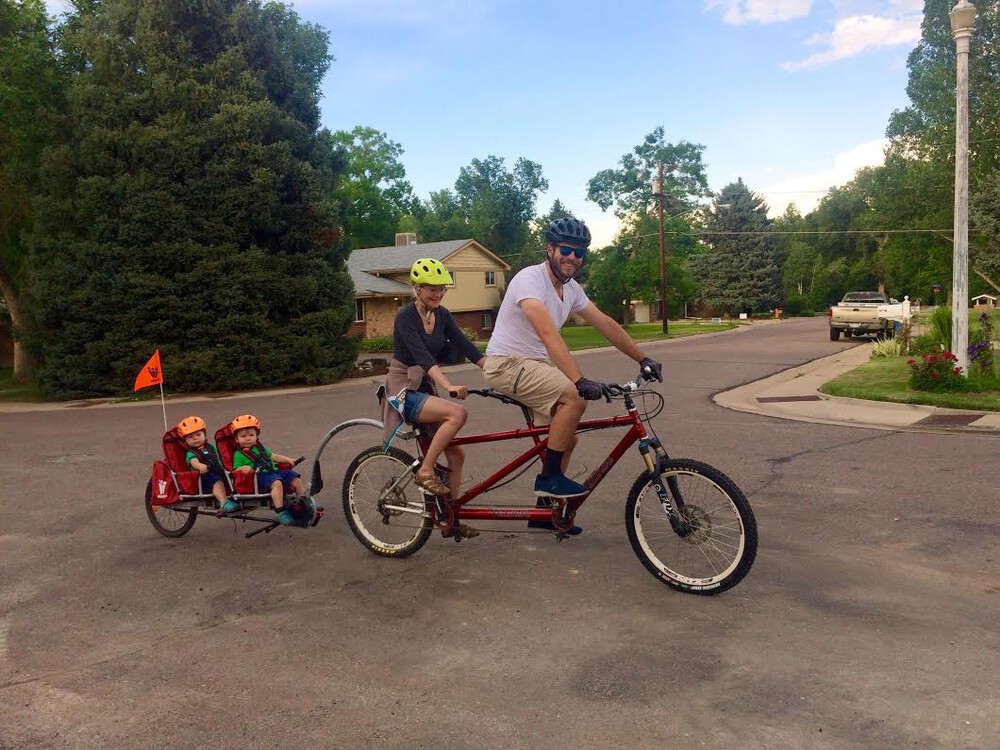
688,523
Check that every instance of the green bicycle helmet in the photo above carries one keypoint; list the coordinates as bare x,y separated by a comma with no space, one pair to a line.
429,271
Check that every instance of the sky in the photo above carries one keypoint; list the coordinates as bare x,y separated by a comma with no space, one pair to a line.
792,96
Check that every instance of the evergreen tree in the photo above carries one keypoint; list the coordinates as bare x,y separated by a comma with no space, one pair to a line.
31,99
189,209
739,272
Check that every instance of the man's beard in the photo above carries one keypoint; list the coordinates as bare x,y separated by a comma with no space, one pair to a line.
554,265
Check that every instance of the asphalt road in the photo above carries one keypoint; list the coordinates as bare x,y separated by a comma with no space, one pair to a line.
869,619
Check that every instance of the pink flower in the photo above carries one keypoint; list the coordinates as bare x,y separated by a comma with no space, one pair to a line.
934,373
957,371
911,361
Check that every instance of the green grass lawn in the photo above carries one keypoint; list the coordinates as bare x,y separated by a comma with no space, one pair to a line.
585,337
11,390
888,379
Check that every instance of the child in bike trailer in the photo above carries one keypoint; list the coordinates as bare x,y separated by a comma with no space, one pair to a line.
252,456
203,458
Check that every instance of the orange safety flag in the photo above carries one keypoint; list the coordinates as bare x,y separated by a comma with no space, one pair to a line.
151,373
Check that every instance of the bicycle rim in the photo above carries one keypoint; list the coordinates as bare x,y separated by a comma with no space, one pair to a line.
386,515
715,545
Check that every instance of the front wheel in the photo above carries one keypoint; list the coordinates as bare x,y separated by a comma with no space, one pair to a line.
711,543
384,508
168,521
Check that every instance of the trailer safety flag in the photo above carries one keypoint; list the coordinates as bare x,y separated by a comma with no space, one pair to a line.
151,373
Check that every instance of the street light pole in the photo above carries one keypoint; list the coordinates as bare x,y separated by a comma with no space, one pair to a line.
663,254
962,18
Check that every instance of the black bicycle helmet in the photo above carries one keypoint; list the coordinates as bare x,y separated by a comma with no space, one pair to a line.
568,230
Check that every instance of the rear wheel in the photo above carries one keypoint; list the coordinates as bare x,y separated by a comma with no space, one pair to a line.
384,508
710,546
834,334
169,521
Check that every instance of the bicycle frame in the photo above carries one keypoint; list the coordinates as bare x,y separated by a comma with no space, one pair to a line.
636,433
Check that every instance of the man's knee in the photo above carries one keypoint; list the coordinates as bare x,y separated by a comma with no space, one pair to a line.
572,401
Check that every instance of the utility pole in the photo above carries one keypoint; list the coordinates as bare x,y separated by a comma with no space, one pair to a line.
962,18
658,192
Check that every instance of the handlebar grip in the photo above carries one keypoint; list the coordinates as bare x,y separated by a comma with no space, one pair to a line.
298,460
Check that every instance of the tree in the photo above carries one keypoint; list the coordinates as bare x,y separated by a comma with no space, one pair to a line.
499,203
189,208
739,272
373,189
924,132
438,218
629,187
31,92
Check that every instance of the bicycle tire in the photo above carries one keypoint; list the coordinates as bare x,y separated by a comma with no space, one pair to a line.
370,473
166,520
716,551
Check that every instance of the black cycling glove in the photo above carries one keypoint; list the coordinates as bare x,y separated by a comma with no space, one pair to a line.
651,369
589,390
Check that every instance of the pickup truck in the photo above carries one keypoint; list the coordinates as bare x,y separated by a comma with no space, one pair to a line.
858,313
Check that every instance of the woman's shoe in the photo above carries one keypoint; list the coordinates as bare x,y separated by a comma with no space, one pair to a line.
431,485
465,532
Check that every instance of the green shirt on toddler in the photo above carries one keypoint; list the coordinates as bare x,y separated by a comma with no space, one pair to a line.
241,459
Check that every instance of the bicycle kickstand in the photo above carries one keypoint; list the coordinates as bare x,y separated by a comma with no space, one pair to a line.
264,529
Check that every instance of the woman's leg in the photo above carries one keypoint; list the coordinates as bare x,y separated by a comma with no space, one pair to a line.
450,418
456,460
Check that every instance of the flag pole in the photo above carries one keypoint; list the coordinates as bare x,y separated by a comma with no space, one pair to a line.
163,403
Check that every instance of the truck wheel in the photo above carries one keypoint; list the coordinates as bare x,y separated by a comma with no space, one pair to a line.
834,334
847,334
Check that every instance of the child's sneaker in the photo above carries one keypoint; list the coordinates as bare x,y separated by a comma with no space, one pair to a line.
230,506
284,517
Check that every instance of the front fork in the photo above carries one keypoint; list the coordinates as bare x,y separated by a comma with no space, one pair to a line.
667,490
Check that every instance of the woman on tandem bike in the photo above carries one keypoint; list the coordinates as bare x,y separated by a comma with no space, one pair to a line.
419,336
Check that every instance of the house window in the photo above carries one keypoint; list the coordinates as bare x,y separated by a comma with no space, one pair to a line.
487,321
359,311
491,278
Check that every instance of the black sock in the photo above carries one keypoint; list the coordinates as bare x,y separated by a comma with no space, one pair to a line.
552,463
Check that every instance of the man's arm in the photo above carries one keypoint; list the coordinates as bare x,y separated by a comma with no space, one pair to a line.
546,329
610,330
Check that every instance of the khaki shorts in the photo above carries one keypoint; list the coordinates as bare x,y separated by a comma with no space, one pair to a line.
536,383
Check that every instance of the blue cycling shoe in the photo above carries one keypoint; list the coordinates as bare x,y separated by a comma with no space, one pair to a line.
558,485
284,517
230,506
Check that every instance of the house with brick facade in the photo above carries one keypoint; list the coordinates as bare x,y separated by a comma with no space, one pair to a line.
382,286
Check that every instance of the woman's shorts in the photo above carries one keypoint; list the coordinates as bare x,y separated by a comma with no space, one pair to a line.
536,383
208,482
285,476
415,401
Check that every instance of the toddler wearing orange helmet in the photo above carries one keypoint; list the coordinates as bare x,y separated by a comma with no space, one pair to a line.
252,456
203,458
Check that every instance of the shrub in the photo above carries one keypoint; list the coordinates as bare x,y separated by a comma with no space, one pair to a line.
941,325
936,372
377,344
470,333
887,348
925,343
981,347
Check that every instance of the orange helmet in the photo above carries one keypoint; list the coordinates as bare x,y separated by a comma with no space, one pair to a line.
245,420
190,425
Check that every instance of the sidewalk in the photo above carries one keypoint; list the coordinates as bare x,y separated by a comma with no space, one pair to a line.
794,394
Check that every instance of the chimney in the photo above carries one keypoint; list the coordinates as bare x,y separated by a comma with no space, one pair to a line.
406,238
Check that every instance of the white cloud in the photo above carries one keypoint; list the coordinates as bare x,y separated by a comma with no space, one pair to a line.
853,35
738,12
805,191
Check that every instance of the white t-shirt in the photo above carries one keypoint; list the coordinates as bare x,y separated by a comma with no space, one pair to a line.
513,334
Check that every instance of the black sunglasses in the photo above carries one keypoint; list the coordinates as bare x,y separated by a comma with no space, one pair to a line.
579,252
